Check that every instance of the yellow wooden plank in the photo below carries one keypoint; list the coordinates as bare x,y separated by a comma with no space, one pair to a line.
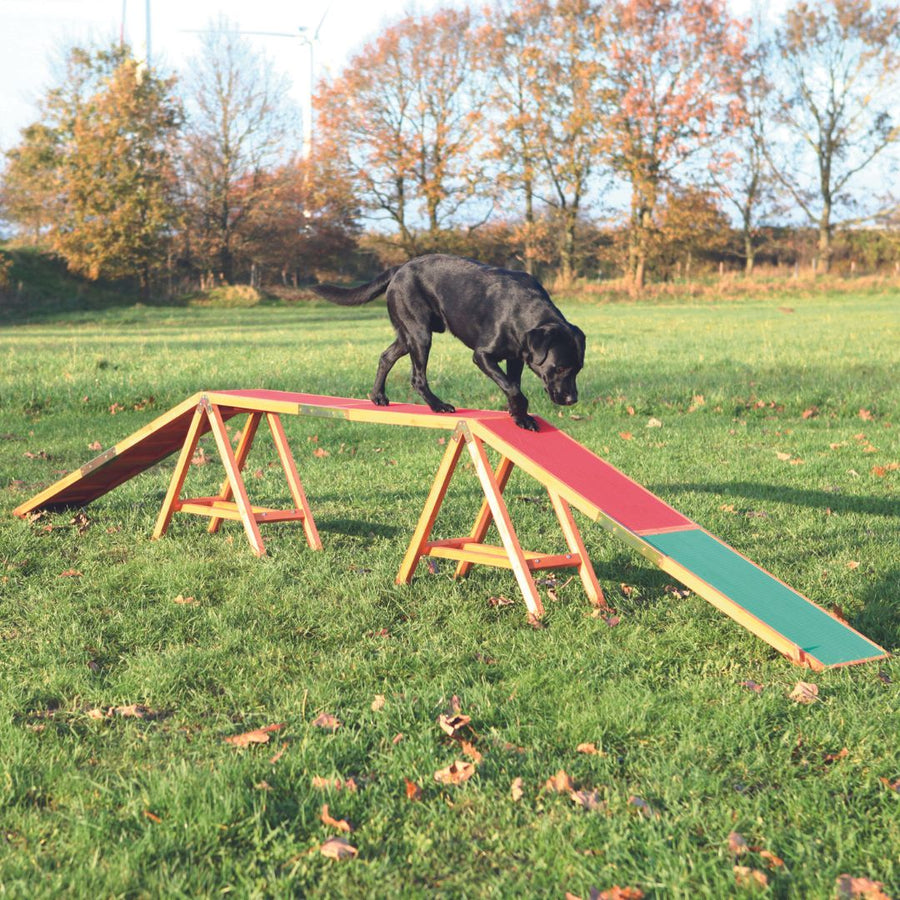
176,483
576,546
248,433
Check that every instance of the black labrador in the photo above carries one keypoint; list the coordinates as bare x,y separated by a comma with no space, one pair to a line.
499,313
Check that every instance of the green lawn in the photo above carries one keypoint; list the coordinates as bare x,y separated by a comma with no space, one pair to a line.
779,431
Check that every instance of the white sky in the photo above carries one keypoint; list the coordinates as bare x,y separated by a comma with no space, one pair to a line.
32,31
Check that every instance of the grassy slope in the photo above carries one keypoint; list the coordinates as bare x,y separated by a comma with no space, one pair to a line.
127,806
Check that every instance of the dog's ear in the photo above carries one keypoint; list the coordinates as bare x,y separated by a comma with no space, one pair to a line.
537,343
580,341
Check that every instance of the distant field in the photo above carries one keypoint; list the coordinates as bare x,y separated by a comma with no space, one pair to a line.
779,431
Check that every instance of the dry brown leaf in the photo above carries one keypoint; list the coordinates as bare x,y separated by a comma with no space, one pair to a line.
257,736
775,862
456,773
500,601
834,757
152,816
331,822
378,703
471,751
324,784
804,692
413,791
736,843
515,790
274,759
95,445
850,888
617,893
453,724
752,686
626,435
749,878
784,457
397,738
327,722
589,800
71,573
321,452
338,848
590,749
560,783
535,622
866,415
181,599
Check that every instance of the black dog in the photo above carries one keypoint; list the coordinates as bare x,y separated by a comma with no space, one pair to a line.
500,314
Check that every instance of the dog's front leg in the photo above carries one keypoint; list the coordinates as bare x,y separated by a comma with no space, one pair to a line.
508,382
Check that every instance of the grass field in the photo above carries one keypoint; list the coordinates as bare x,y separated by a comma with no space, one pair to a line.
126,663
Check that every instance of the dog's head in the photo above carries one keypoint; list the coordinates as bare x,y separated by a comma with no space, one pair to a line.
555,353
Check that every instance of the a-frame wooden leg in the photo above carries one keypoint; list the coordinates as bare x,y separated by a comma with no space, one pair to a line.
430,510
293,480
234,476
504,524
484,517
178,476
576,546
240,456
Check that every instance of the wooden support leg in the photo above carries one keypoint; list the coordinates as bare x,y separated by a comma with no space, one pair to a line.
240,456
484,517
179,475
504,525
234,476
430,510
293,479
576,546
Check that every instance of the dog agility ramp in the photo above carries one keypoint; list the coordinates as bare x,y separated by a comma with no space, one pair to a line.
767,607
787,620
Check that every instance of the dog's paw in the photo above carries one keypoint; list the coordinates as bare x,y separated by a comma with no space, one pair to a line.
441,407
379,399
526,422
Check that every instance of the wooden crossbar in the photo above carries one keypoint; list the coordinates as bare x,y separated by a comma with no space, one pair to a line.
471,550
232,502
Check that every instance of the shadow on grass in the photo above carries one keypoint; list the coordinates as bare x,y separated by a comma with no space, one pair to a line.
835,501
356,527
880,617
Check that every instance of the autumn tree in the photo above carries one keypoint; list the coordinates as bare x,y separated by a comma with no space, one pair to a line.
839,62
544,64
238,128
102,166
404,120
29,188
674,67
306,221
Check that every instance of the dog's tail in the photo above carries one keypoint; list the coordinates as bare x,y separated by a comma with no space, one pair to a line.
359,295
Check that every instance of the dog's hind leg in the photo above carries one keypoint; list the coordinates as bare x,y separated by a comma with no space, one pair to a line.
418,355
397,350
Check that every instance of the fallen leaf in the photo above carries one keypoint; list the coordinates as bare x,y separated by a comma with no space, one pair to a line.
866,415
893,785
535,622
327,722
152,816
804,692
413,791
274,759
337,784
95,445
338,848
828,758
81,522
183,600
133,711
456,773
452,725
471,751
321,452
589,800
331,822
257,736
199,458
752,686
810,413
850,888
590,749
617,893
263,785
853,564
784,457
500,601
378,702
70,573
737,844
775,862
749,878
654,423
560,783
397,738
626,435
515,790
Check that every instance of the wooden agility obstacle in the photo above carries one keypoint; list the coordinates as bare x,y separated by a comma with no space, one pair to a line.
573,476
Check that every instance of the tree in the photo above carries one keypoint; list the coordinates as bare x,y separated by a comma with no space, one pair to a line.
102,167
403,119
238,127
839,62
674,74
